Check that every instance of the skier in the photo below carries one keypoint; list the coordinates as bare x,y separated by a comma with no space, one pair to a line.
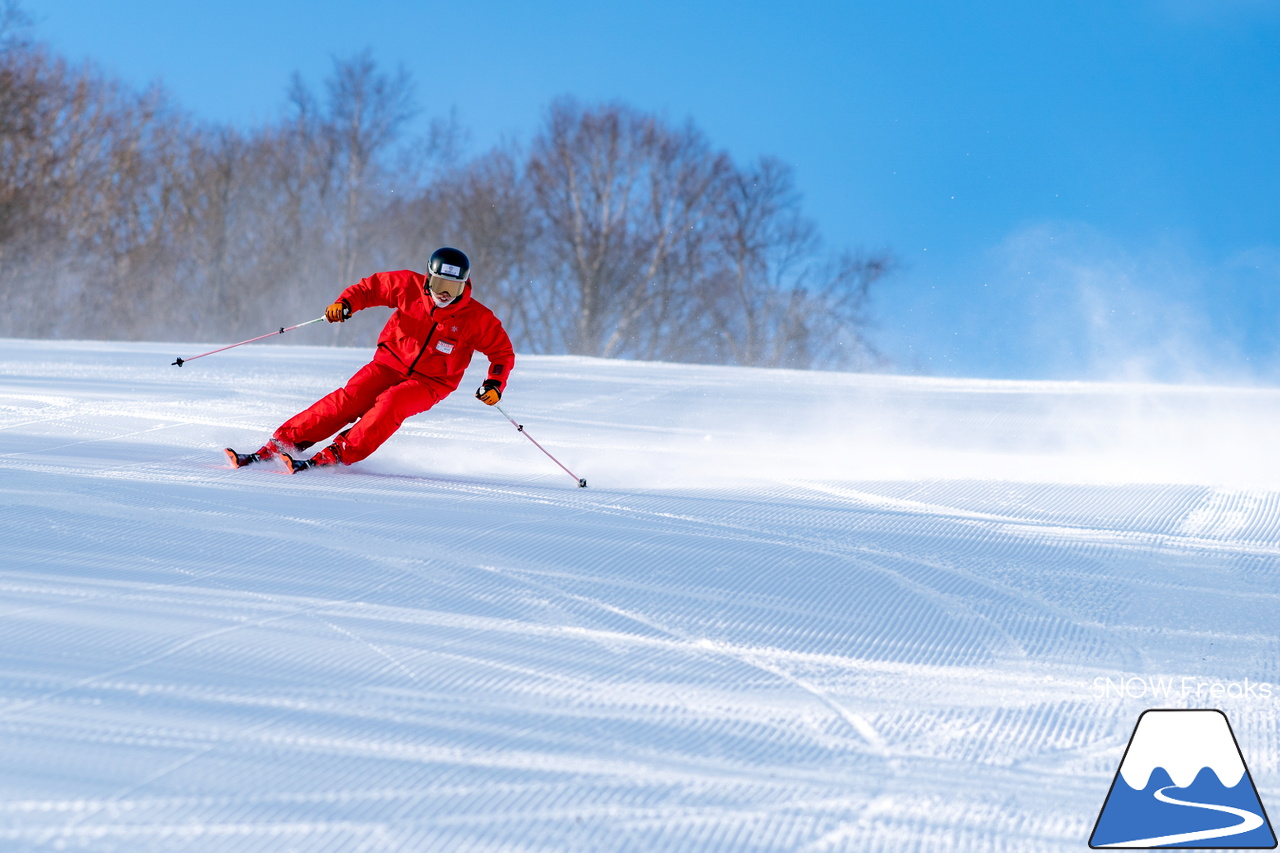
422,352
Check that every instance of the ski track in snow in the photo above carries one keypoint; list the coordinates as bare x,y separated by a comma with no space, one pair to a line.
794,611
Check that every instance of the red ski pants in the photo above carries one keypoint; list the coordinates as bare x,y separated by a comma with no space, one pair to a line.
377,399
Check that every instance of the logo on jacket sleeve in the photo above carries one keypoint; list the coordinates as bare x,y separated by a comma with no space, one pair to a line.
1182,783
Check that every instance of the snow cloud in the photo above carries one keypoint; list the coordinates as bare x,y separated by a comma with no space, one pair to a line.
1097,309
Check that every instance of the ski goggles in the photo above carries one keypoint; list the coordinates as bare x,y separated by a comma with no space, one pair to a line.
445,288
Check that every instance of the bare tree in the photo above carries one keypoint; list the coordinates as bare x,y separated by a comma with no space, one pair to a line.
623,198
616,233
86,181
285,215
487,206
840,315
762,240
366,111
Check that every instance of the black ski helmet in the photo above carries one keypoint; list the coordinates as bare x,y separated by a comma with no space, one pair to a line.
449,263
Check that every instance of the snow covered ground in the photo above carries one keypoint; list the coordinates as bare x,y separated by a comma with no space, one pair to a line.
793,611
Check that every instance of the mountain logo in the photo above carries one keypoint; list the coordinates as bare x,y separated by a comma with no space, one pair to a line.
1182,783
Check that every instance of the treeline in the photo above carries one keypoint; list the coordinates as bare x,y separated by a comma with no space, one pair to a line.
613,232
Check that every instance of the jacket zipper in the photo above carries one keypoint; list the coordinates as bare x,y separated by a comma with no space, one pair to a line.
431,334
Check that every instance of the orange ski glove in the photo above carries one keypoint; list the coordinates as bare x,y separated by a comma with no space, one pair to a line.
488,393
337,312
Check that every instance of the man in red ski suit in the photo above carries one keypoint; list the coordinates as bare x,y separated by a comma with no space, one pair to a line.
422,352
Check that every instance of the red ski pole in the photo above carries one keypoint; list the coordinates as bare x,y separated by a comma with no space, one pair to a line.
520,428
181,361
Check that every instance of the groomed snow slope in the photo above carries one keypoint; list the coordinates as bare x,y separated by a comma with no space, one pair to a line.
793,611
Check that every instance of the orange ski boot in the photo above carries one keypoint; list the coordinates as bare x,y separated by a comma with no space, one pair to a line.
328,456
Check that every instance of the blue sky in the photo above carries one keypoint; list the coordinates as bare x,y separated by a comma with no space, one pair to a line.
1075,189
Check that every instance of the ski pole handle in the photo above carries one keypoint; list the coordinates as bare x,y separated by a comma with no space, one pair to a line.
582,484
182,361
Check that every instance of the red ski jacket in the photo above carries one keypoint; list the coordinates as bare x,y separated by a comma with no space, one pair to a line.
423,340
